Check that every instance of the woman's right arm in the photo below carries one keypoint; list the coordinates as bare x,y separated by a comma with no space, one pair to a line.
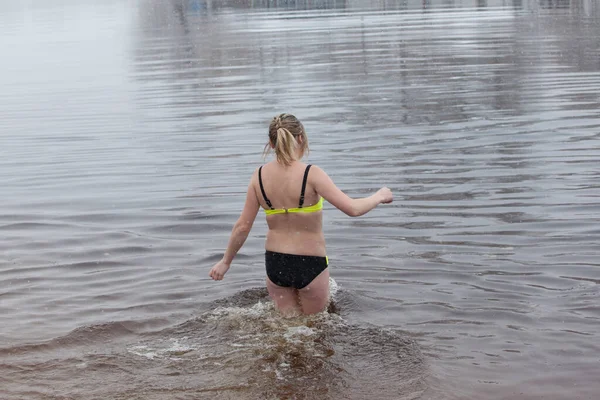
349,206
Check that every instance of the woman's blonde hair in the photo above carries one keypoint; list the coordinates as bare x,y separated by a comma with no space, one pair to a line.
284,131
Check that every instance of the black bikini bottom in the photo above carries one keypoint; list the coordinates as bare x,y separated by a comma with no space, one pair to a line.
291,270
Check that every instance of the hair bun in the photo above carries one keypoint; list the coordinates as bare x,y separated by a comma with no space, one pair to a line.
277,122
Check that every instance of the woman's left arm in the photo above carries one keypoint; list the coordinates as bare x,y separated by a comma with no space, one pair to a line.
239,234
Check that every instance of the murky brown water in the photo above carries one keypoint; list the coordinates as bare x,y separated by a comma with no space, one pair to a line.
129,130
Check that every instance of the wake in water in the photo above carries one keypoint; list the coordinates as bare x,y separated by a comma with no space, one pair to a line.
241,349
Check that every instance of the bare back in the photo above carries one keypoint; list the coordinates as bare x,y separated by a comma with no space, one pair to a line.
292,233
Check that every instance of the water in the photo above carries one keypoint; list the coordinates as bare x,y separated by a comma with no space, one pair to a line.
130,129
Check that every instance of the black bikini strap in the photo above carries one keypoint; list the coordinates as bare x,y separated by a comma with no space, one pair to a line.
262,189
304,186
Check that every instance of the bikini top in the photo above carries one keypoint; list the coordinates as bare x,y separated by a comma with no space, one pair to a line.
314,208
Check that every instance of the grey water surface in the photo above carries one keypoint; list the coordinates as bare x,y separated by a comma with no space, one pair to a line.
129,131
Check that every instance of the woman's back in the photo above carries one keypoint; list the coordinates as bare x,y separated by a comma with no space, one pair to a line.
290,232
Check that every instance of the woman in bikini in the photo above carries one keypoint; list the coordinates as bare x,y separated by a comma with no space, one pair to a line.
292,193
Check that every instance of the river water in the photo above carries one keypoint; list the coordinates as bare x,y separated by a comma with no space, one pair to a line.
129,131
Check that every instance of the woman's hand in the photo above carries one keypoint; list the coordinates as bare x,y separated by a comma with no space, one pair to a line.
218,271
385,195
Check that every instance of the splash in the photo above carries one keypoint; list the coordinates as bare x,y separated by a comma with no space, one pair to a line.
173,348
246,344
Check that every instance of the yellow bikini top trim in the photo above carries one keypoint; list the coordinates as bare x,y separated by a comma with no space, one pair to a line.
314,208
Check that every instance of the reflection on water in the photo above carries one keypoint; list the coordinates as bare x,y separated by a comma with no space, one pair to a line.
130,130
198,6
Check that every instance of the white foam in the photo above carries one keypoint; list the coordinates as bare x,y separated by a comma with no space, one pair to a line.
178,348
300,331
143,351
279,375
296,334
175,348
333,287
258,310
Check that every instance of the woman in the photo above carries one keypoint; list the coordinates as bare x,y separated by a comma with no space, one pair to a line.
292,193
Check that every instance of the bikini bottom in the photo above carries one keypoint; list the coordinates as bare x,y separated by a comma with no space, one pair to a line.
291,270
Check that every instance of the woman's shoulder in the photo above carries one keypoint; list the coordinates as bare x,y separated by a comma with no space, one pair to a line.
316,171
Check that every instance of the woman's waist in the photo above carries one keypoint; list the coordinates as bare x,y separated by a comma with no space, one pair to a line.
303,243
293,233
